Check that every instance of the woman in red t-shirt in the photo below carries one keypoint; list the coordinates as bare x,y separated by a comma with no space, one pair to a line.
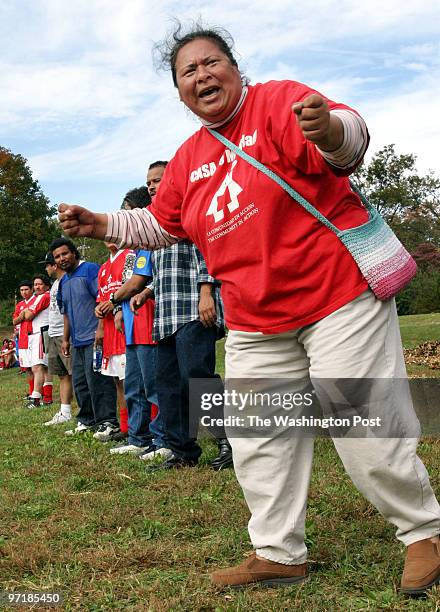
296,304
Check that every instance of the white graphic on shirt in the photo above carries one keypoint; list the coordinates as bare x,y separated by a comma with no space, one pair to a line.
234,190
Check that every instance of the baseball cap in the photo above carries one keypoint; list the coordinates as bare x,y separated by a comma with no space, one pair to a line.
49,259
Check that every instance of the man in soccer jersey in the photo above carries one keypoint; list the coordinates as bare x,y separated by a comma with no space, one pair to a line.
24,327
110,278
37,313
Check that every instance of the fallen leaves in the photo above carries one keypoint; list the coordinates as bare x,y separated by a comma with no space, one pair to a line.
426,354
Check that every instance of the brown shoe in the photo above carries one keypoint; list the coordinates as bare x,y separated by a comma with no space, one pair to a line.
266,573
422,567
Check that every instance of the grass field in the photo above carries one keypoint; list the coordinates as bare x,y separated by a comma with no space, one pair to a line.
109,536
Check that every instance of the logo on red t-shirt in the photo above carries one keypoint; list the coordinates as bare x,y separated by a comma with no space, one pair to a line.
234,190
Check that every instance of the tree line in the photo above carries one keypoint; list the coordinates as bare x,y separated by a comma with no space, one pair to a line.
409,202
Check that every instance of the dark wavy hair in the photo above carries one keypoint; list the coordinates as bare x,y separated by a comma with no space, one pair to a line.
165,52
59,242
137,198
42,277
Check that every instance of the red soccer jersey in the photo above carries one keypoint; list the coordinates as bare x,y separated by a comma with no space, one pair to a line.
109,281
40,308
25,328
280,268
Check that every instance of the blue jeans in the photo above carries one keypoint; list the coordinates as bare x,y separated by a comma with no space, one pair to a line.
140,393
95,393
188,353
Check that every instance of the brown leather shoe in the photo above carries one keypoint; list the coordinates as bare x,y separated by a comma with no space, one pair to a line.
266,573
422,567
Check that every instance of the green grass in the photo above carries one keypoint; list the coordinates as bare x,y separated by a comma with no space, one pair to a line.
416,329
109,536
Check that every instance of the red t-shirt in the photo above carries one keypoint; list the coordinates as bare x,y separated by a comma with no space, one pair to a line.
280,268
25,328
109,281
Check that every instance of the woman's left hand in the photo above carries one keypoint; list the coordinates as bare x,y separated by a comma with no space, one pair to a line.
316,123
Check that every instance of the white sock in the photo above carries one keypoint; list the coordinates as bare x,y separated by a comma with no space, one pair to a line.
66,410
36,395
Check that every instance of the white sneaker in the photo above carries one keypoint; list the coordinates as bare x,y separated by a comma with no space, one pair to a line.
57,419
164,453
106,431
80,428
131,449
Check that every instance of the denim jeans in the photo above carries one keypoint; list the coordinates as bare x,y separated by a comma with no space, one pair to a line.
95,393
188,353
140,393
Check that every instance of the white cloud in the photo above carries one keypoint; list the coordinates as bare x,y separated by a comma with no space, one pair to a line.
407,121
84,69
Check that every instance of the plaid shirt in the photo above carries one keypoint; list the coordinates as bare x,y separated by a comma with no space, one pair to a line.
178,272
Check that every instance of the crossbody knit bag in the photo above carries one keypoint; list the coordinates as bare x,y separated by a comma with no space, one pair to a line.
382,259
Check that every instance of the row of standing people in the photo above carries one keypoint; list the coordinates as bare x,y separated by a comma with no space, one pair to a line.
155,319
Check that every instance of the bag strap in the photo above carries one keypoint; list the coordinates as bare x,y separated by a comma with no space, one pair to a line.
282,183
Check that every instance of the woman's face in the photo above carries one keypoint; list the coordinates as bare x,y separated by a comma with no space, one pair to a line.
209,85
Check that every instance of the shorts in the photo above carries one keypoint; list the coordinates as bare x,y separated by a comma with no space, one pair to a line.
59,364
24,357
114,366
38,357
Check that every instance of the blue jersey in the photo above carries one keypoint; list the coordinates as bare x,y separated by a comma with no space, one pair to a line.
77,299
142,267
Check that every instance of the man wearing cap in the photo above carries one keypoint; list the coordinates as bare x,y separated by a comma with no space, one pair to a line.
58,364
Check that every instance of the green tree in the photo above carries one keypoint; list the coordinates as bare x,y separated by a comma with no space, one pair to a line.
26,222
408,202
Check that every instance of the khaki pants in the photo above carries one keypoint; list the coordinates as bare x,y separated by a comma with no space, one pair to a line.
360,340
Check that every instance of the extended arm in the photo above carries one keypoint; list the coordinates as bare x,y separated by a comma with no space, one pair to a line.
127,228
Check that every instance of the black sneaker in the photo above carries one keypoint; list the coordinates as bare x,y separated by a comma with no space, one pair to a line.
106,432
33,402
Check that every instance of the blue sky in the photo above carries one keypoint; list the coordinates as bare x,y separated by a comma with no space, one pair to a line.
80,99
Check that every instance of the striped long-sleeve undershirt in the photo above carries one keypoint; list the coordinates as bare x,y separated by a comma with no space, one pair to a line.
136,229
354,143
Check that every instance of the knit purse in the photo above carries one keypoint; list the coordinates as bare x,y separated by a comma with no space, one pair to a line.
382,259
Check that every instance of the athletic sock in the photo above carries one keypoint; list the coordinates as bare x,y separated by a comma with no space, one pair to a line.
66,410
47,391
31,386
154,411
123,419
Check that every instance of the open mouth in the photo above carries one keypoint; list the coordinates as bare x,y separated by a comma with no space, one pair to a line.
209,91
